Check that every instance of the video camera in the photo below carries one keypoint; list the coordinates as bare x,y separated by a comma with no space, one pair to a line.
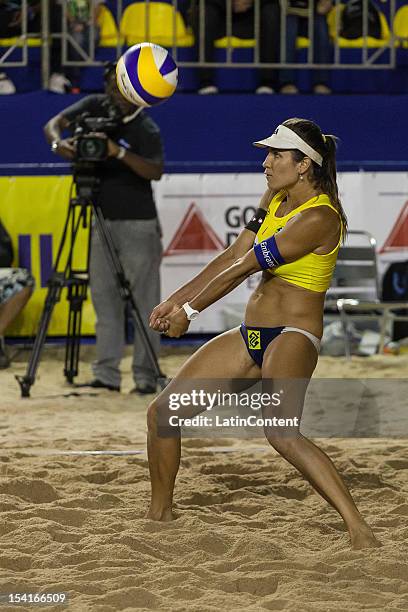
91,134
91,137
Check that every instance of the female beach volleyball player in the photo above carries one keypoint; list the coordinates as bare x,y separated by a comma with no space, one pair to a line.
294,238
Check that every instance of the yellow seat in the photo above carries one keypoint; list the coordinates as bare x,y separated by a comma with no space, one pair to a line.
106,23
356,43
302,42
109,34
16,40
249,43
234,42
162,19
400,25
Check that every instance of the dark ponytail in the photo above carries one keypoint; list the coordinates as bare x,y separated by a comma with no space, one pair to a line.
324,176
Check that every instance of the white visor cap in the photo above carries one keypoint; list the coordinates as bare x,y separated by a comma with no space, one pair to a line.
285,138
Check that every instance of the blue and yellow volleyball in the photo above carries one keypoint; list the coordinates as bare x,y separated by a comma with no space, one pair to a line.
146,74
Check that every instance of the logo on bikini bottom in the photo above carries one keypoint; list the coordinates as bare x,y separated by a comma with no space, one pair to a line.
254,339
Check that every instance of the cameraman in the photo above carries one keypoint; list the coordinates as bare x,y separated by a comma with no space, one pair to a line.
135,158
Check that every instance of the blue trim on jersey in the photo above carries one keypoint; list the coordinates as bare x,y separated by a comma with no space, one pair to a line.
267,254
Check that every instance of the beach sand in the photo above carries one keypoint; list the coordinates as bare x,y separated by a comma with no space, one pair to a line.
250,535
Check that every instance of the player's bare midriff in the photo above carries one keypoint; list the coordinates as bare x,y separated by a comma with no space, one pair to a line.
276,302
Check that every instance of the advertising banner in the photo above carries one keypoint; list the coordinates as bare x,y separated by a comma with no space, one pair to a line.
34,211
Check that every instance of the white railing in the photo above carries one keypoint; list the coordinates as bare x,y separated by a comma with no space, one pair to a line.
88,56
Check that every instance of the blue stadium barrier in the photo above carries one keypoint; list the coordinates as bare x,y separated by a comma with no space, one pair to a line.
199,138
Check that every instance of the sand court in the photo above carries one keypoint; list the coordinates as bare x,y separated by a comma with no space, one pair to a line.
250,535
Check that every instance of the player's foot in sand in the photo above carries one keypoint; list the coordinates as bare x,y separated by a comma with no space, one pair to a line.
363,537
163,516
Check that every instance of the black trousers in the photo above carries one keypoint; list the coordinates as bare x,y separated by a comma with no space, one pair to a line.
242,27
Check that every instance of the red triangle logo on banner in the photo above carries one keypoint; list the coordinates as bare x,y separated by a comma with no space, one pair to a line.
194,235
398,237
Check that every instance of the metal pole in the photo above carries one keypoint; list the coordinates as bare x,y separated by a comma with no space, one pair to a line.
393,39
283,15
257,29
64,31
365,31
91,48
337,10
229,31
310,32
45,43
174,37
24,36
119,13
201,57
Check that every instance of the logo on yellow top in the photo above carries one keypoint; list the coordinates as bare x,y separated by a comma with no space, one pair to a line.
254,338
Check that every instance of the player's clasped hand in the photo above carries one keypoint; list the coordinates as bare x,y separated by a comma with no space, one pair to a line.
178,324
161,313
169,319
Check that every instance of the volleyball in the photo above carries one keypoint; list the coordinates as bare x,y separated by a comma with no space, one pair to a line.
146,74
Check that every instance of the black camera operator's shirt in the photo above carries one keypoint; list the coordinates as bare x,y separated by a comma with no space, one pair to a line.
123,193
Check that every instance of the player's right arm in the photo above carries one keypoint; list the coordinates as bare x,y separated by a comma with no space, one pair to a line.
243,243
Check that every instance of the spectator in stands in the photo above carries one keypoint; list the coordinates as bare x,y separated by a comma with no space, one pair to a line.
16,286
297,24
11,26
81,15
135,158
242,27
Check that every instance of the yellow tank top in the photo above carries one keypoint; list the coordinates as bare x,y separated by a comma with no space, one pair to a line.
311,271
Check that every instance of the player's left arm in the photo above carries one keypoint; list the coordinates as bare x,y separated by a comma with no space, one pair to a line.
306,232
302,235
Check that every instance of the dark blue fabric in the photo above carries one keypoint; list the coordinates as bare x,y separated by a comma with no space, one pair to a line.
267,334
267,254
273,247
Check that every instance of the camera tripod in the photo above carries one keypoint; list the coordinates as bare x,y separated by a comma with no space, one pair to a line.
81,211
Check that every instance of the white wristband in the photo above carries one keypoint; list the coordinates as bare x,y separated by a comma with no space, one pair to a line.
190,312
121,153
